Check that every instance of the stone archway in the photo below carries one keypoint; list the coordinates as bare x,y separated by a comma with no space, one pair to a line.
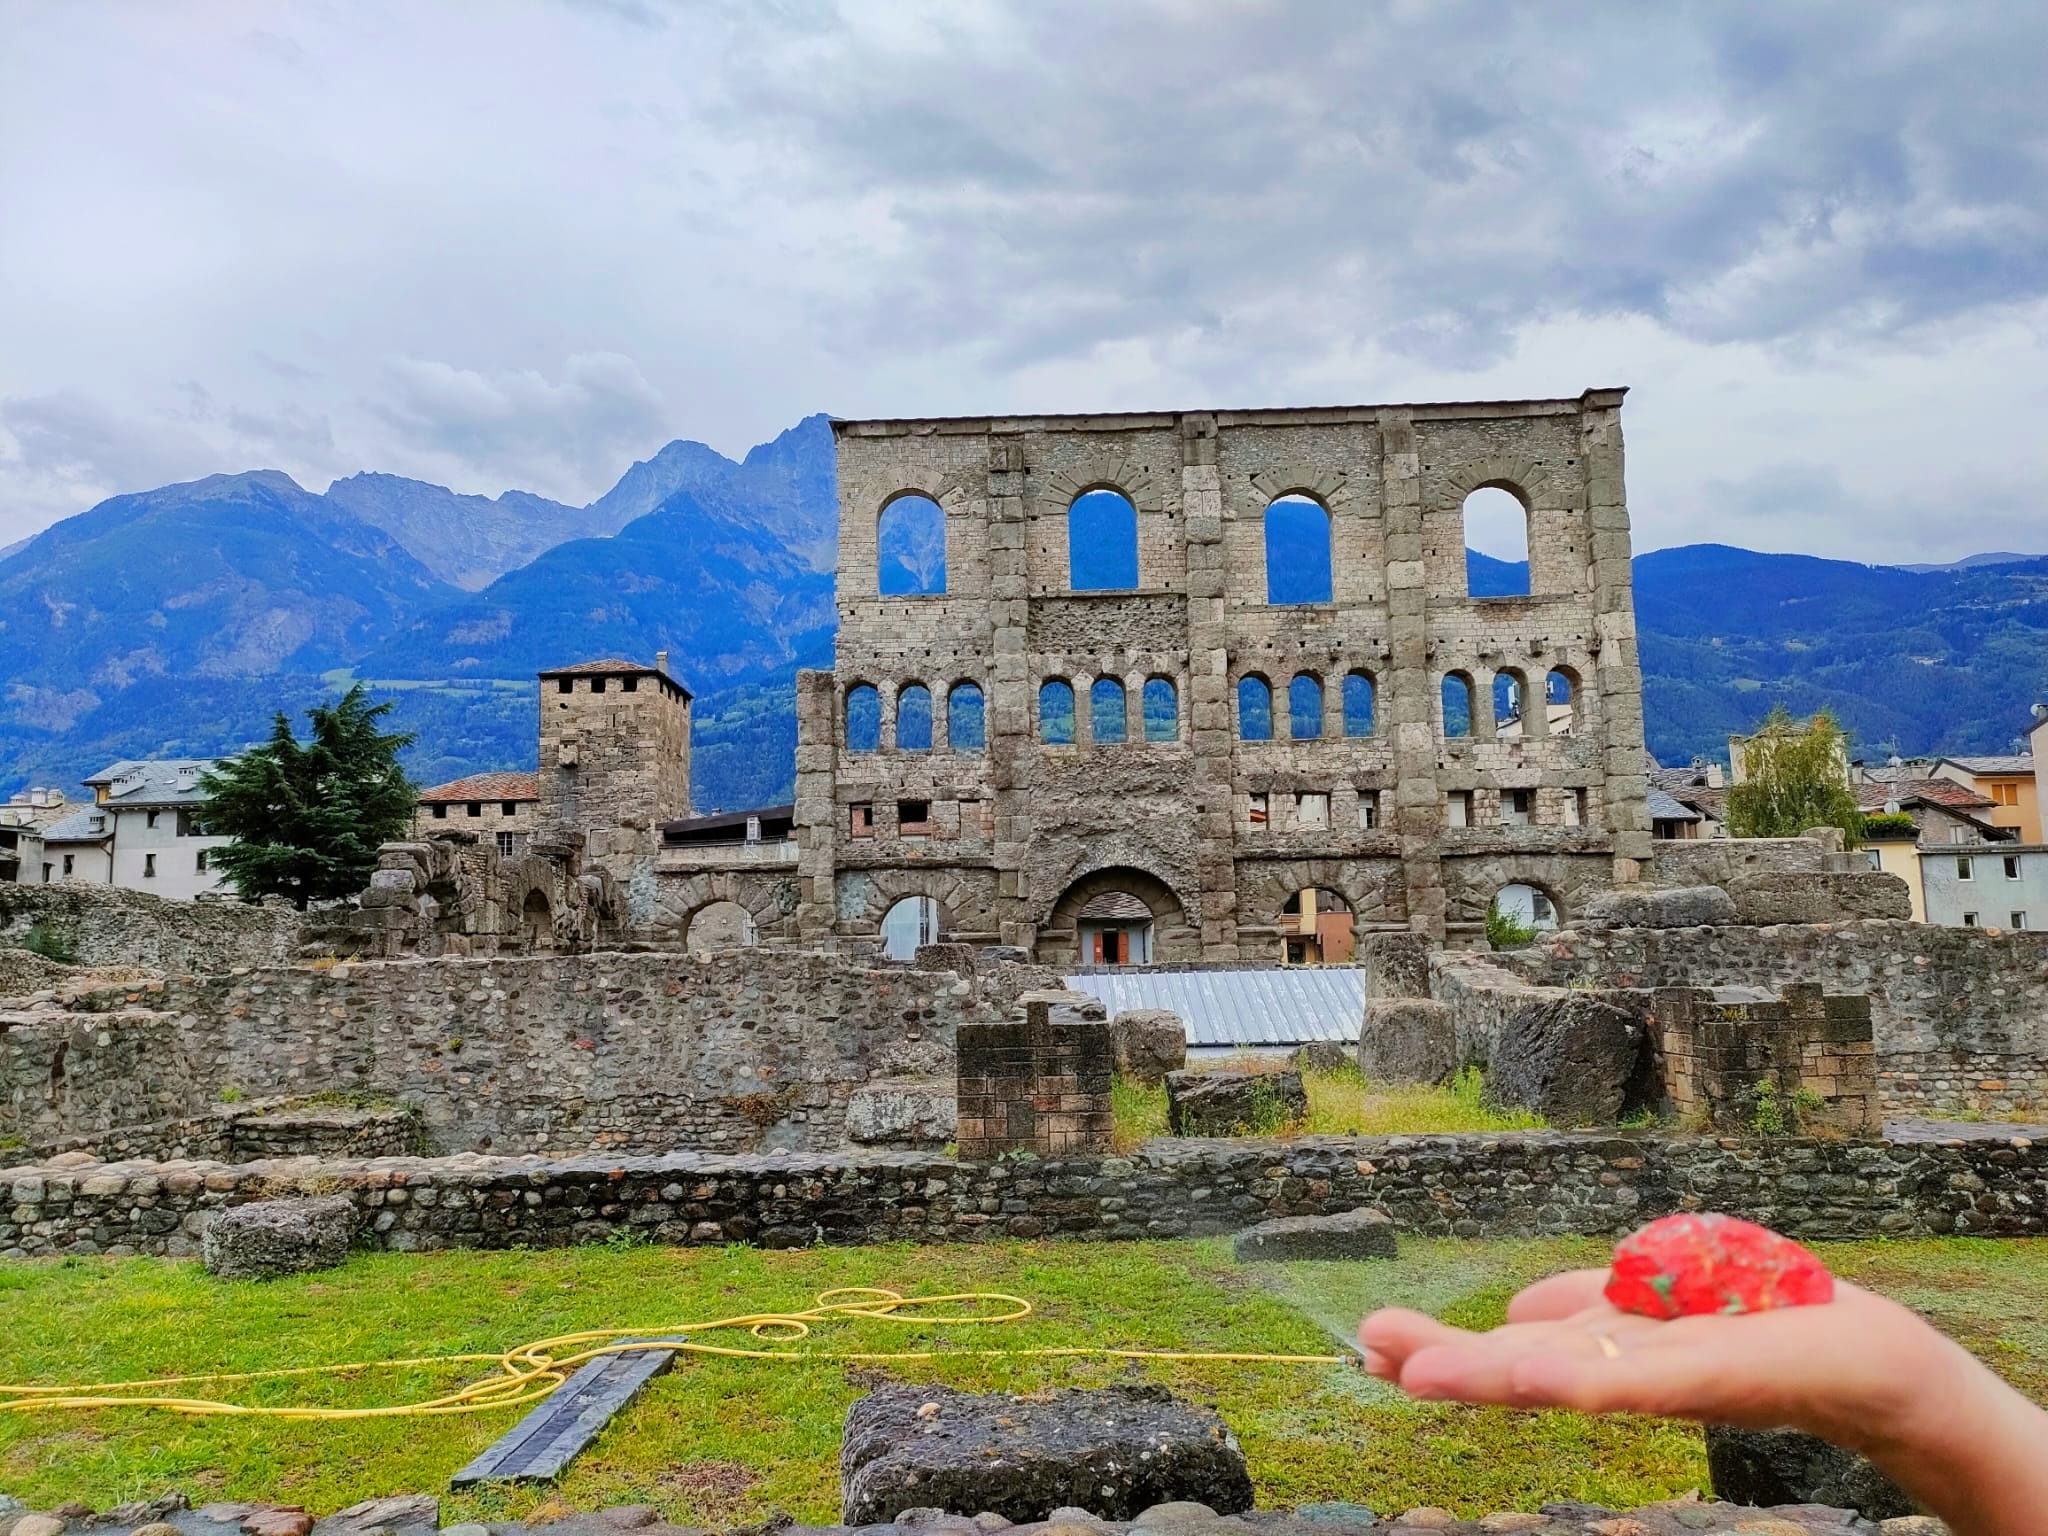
536,922
1110,901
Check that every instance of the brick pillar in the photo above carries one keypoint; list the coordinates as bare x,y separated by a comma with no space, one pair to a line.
1617,674
1209,703
1408,687
1012,694
817,814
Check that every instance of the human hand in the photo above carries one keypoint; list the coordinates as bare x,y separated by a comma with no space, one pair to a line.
1858,1370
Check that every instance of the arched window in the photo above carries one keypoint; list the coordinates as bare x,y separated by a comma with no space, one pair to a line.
1358,704
1254,708
966,719
863,718
722,925
1162,709
908,925
1106,724
1056,713
914,719
1510,702
1527,906
1297,551
1457,705
910,547
1305,707
1102,543
1561,697
1496,543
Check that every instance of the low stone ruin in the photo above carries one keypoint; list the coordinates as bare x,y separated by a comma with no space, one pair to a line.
1149,1043
1114,1452
1361,1234
268,1238
1234,1103
1038,1081
1785,1466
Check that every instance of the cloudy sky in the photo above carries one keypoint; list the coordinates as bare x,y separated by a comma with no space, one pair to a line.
523,242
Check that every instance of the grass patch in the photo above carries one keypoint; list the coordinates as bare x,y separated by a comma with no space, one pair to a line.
722,1441
1341,1103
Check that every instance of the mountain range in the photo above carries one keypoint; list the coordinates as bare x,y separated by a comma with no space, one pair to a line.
174,621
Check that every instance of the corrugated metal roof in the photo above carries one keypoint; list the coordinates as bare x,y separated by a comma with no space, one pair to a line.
1275,1005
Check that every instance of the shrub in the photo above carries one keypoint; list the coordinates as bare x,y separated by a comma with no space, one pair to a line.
1506,931
50,944
1887,825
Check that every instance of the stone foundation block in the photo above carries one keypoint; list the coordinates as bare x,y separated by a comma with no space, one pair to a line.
1114,1452
1359,1234
268,1238
1570,1058
1234,1103
910,1112
1784,1466
1685,906
1407,1040
1149,1043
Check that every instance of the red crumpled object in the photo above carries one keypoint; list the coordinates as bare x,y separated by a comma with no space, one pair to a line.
1701,1265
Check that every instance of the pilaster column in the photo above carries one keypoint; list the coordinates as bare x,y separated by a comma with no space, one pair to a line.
1208,702
1408,689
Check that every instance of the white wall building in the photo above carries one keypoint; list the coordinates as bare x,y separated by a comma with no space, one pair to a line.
142,833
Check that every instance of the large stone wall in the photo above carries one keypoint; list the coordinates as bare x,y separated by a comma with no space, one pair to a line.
106,925
1959,1016
1468,1186
631,1052
1021,833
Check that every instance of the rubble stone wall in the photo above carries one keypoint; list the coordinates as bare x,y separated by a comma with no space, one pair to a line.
106,925
1959,1016
1468,1186
634,1052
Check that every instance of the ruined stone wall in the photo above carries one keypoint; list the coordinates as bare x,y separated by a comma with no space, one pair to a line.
1740,1058
1537,1184
1959,1016
630,1052
106,925
1023,832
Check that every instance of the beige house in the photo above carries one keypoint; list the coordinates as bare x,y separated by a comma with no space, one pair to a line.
502,807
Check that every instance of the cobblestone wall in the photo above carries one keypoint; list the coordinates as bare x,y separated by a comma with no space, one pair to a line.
105,925
1959,1016
1469,1186
566,1053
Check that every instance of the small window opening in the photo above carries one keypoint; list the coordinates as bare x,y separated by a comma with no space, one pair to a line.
505,845
863,718
913,818
1496,543
199,862
149,866
565,685
597,685
629,685
440,812
860,820
1106,721
1368,810
1056,713
1255,809
508,808
914,719
966,719
910,548
1254,709
476,807
1457,698
1312,810
1358,704
1161,709
1102,543
1458,808
1297,551
1965,870
2012,866
1305,707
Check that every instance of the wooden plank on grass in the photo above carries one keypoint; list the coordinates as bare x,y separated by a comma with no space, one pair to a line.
540,1445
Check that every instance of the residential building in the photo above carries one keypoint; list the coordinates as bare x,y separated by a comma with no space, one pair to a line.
500,807
1702,789
1671,817
2008,781
1986,885
24,858
1939,816
81,847
149,817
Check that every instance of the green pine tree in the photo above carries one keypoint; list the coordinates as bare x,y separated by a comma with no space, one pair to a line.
308,817
1795,776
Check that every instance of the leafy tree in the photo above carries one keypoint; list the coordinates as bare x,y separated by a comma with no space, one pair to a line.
1795,776
307,817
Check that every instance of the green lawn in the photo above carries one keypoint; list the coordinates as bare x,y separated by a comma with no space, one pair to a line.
718,1442
1341,1103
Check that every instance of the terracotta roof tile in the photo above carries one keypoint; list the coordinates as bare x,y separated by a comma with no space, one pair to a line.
510,785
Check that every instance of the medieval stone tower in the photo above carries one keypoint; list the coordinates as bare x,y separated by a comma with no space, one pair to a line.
614,748
1182,762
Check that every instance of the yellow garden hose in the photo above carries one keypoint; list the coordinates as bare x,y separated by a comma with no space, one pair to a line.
532,1371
